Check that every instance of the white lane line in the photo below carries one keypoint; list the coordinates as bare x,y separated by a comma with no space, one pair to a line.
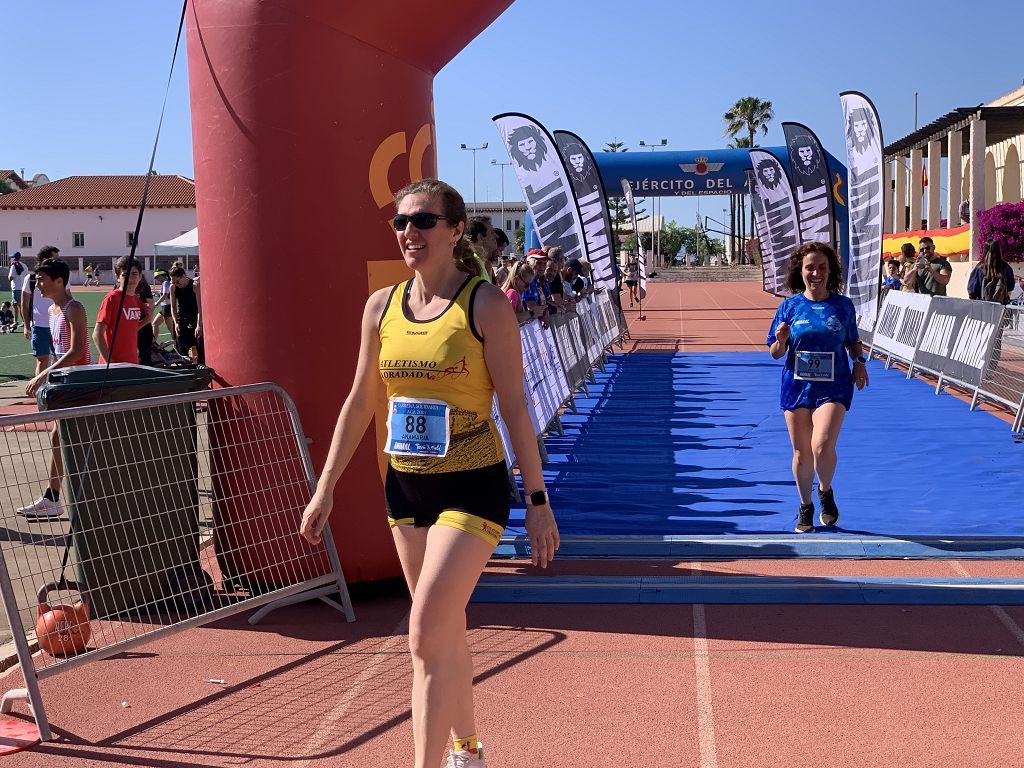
327,732
1004,618
702,662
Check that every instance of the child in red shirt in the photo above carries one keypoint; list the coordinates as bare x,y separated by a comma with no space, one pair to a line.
124,348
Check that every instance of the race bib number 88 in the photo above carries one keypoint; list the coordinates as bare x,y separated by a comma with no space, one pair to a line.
418,427
813,366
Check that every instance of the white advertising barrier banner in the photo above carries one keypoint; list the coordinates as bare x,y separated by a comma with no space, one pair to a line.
592,337
607,307
901,323
506,441
534,386
545,384
601,320
554,375
958,338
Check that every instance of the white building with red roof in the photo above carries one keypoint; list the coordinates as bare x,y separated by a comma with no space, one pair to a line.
92,219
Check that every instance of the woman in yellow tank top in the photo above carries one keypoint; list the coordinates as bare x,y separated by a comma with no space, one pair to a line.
443,343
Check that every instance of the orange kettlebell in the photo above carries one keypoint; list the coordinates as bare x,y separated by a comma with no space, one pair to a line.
63,630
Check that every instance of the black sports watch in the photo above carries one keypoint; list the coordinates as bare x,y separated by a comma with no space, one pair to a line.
863,360
537,498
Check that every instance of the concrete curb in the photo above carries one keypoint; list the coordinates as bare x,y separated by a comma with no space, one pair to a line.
9,654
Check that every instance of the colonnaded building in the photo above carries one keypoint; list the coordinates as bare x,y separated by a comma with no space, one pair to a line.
943,174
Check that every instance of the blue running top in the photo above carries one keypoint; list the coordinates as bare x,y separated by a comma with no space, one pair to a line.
816,327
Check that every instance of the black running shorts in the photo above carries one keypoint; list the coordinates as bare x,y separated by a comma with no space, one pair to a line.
473,500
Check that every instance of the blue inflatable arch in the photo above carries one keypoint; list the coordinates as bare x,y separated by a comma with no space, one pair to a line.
701,172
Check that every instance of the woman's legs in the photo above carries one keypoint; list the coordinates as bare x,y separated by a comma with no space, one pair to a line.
157,322
800,428
828,420
442,566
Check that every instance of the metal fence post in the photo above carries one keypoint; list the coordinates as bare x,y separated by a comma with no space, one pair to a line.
28,670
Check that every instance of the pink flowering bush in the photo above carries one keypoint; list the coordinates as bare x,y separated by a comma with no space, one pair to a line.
1004,223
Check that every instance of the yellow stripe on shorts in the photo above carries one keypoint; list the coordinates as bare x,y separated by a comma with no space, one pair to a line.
483,529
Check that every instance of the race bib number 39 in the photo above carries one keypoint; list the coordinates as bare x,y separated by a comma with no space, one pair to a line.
813,366
418,427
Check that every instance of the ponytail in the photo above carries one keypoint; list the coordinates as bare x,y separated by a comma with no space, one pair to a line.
465,258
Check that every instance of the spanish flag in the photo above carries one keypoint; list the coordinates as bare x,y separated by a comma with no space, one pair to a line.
947,241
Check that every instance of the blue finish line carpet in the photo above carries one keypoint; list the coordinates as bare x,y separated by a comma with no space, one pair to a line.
694,446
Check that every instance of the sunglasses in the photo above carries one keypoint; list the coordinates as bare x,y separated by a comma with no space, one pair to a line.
421,220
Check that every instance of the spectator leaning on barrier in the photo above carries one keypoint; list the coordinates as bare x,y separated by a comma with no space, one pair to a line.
125,347
573,274
18,277
36,308
931,273
518,280
535,296
993,278
68,328
555,289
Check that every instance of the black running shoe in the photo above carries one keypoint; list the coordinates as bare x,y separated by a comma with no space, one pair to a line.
805,519
829,510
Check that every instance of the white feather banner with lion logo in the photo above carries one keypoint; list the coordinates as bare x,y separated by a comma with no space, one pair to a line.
545,183
866,206
772,187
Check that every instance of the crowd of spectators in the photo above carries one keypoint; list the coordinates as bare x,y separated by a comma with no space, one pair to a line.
923,270
539,285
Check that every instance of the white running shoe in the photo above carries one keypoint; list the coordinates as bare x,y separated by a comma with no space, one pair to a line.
467,758
42,508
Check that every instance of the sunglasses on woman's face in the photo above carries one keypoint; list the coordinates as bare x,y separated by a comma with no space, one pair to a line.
421,220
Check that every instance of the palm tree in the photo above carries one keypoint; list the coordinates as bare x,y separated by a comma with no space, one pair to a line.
751,114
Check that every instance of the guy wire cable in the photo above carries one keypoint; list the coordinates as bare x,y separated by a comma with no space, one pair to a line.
132,261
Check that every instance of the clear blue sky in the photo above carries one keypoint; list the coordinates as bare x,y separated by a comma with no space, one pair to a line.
83,81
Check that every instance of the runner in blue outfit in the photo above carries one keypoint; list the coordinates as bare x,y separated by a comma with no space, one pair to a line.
816,330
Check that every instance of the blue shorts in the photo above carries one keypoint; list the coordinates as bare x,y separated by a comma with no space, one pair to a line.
815,395
42,341
16,295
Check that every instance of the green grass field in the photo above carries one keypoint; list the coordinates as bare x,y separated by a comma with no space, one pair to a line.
16,361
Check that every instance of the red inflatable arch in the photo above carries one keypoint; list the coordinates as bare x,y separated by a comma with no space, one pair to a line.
306,117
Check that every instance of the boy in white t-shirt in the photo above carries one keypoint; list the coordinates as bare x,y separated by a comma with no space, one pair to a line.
36,308
18,275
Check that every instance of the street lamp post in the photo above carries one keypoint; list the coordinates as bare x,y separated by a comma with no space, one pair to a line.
474,151
655,210
495,162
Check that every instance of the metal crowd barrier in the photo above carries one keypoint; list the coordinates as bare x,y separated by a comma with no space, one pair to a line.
1003,381
558,360
176,511
976,345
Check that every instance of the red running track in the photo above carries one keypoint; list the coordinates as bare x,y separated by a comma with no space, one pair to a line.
581,685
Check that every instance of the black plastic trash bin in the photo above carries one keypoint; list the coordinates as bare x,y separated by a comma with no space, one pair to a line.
130,484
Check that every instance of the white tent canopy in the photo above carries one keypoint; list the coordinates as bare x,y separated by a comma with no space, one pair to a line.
183,245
